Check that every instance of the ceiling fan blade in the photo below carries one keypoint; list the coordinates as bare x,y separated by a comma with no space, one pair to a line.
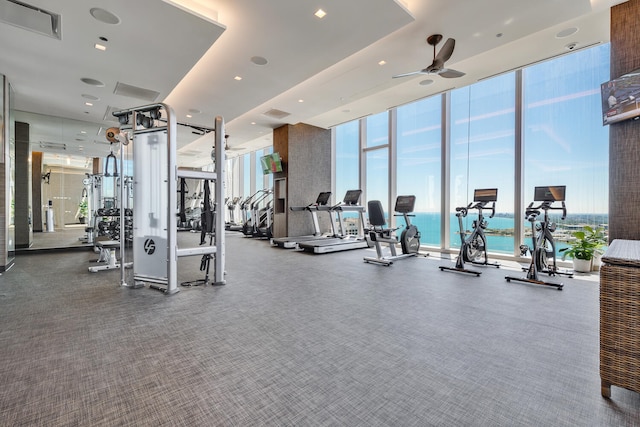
446,51
409,74
450,74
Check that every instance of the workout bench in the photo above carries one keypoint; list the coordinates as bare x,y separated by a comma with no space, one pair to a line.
107,255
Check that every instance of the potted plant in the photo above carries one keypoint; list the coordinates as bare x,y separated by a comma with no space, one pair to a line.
83,210
597,236
584,247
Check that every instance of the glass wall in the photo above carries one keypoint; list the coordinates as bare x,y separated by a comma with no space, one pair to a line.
564,140
259,177
555,124
246,175
347,161
377,160
482,156
419,158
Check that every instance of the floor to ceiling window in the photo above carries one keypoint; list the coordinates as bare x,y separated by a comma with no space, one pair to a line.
347,158
246,175
564,140
482,156
418,164
376,151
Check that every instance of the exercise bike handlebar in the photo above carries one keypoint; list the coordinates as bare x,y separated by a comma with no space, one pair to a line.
462,211
545,206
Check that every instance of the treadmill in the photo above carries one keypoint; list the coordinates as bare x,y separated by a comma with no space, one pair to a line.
344,241
292,242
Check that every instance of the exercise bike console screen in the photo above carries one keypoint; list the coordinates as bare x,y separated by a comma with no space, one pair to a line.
485,195
352,197
554,193
405,204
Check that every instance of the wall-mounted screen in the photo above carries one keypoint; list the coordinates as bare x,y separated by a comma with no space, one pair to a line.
620,98
271,163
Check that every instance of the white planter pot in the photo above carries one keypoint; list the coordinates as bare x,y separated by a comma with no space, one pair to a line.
581,265
595,264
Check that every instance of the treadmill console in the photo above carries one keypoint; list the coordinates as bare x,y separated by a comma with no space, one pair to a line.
352,197
323,198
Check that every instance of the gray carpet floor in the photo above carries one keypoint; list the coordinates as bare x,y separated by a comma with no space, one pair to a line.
295,339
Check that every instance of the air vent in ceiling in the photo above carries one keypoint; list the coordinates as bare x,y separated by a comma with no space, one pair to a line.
276,114
31,18
135,92
53,145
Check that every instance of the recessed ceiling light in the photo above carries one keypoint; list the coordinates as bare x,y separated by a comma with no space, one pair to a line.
566,32
100,47
189,116
238,78
88,104
104,16
320,13
300,100
83,132
382,62
259,60
92,82
253,123
426,82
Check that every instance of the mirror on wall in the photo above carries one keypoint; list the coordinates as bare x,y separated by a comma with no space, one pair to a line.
67,148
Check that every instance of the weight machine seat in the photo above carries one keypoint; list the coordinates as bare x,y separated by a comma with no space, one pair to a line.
107,255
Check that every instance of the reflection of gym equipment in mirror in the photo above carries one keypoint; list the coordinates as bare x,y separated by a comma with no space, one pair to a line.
543,249
112,224
378,233
473,248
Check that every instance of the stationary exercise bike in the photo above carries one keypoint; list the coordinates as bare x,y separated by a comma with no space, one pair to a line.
473,248
409,238
544,248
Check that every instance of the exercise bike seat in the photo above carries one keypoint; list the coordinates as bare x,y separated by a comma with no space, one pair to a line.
532,214
377,220
461,212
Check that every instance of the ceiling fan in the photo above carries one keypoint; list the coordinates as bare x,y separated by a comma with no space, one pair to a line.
437,66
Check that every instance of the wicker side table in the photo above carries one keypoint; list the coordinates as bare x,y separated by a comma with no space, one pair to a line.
620,317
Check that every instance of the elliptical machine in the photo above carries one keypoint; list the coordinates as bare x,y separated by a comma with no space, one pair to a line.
543,245
409,238
473,248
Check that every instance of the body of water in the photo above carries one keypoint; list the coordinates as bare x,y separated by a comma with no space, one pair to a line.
429,226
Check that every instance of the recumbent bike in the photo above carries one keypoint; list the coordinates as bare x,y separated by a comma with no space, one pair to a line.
409,238
544,247
473,248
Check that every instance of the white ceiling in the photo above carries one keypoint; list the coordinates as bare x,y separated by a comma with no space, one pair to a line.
330,64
